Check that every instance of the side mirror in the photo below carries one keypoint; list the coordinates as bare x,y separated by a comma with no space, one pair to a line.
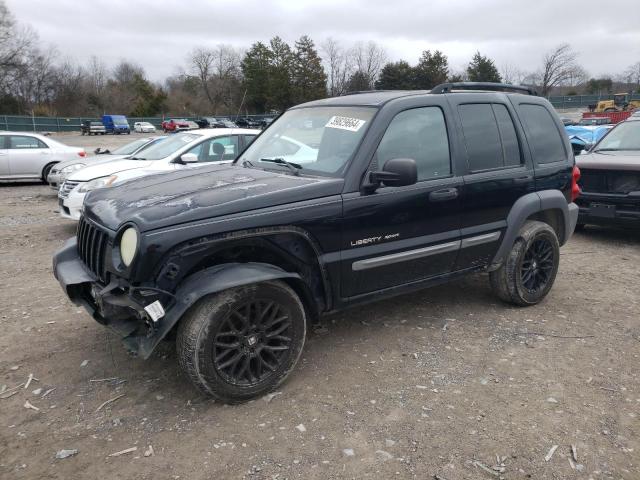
397,172
189,158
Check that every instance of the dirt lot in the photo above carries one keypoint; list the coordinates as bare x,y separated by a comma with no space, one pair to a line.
421,385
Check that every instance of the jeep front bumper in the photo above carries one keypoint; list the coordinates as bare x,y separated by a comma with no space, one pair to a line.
115,305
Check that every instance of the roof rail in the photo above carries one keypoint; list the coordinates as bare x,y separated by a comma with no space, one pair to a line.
490,86
360,92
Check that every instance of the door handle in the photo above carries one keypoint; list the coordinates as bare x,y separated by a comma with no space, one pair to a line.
443,195
521,180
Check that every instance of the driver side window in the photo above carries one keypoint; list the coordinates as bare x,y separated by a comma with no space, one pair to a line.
420,134
216,149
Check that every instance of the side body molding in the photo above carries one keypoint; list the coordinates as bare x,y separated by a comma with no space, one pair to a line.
205,282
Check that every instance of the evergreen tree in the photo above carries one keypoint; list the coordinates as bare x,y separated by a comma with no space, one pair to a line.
280,75
309,78
256,67
358,81
483,69
396,76
432,70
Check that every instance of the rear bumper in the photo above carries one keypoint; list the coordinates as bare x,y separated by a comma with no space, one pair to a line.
573,220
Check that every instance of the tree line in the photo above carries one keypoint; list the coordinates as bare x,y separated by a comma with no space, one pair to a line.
268,77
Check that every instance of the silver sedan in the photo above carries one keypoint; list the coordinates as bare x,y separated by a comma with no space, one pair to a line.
29,156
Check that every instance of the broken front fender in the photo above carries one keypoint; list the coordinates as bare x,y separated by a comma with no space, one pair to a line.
200,284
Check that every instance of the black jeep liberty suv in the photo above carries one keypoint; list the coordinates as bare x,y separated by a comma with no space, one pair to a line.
338,202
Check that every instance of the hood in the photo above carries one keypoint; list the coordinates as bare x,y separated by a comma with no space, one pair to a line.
107,167
172,198
612,160
93,160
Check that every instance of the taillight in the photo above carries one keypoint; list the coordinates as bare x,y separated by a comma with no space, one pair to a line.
575,188
82,153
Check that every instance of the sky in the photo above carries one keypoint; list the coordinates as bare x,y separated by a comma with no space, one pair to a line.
159,34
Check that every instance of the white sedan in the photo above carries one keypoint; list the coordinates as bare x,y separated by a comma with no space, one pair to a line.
29,156
182,150
143,127
59,173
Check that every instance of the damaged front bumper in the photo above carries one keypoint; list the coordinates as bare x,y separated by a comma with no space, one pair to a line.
116,305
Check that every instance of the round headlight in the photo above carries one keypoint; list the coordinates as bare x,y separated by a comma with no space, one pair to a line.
128,245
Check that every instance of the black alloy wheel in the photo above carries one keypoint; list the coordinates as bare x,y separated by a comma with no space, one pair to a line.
252,342
537,265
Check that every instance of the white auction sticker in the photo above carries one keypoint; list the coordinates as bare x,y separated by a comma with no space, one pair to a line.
345,123
155,310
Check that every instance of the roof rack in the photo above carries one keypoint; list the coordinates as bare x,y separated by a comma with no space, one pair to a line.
493,87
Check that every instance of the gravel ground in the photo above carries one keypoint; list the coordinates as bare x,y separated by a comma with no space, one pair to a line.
91,142
436,384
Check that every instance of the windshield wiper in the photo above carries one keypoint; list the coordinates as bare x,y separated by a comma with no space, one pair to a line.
136,158
294,167
247,164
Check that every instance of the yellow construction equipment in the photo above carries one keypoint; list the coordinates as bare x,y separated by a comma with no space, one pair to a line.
621,102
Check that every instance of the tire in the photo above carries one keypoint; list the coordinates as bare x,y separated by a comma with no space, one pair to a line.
529,270
45,171
225,357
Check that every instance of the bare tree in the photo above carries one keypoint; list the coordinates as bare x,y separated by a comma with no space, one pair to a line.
559,68
338,66
368,59
510,73
632,74
216,69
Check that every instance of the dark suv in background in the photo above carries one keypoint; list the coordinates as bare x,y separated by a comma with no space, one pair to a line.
339,202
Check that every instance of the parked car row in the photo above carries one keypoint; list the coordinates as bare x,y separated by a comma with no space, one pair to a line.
117,124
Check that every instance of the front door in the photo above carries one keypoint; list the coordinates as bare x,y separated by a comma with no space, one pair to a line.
400,235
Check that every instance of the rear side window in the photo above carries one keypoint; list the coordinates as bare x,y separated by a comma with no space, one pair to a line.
542,134
510,145
490,136
420,134
481,136
20,143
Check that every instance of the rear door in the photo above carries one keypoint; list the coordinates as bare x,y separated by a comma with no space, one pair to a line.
27,156
497,173
400,235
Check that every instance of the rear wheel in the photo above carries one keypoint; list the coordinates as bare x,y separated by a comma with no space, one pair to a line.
242,342
529,271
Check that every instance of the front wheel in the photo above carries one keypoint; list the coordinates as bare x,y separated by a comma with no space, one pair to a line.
529,270
243,342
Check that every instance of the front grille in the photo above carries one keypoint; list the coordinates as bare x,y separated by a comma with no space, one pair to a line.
609,181
66,188
92,247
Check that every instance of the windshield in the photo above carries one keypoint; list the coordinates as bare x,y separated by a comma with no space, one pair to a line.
626,136
119,121
129,148
96,124
320,140
167,147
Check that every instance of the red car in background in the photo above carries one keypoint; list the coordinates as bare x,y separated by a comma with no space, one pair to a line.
175,125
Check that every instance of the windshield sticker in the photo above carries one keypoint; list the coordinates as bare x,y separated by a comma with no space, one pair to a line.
345,123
